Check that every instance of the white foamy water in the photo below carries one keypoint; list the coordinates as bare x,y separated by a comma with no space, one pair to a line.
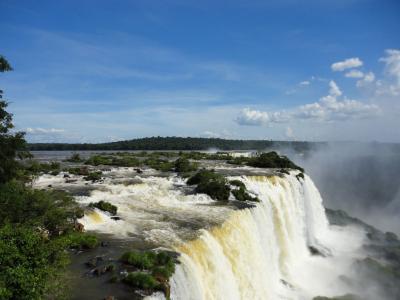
253,253
262,252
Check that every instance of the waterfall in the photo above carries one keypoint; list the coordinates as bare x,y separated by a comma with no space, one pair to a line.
257,253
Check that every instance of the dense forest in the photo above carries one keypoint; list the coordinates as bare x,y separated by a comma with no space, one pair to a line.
179,143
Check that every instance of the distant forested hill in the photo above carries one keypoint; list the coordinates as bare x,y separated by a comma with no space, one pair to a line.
178,143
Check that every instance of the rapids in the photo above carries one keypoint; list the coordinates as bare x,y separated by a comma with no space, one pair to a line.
259,252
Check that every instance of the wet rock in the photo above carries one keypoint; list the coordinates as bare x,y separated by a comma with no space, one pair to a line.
93,262
139,171
315,251
70,180
115,218
79,227
105,244
49,186
66,176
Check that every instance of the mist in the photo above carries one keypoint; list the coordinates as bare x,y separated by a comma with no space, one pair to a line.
359,178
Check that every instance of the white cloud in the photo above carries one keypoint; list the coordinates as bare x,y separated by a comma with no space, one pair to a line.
354,74
39,130
334,89
257,118
252,117
367,79
347,64
305,82
391,84
329,108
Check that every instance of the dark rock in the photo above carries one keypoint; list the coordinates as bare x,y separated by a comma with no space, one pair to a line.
49,186
79,227
315,251
71,180
139,171
92,263
116,218
105,244
66,176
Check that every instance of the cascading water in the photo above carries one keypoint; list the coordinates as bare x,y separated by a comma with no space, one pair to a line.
261,252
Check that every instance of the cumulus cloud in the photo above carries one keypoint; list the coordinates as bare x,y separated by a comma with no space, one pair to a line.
354,74
257,118
349,63
367,79
329,108
391,84
305,82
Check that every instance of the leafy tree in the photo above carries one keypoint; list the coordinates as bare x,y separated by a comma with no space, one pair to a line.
11,144
27,261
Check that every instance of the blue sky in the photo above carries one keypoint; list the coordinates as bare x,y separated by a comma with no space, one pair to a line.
90,71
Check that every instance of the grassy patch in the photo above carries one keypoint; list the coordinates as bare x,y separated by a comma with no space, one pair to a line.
105,206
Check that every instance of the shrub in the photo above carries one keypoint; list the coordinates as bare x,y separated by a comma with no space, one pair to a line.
140,260
210,183
83,171
203,176
105,206
80,240
272,160
93,176
241,195
54,210
141,280
75,157
183,165
159,164
29,263
34,167
237,183
96,160
217,190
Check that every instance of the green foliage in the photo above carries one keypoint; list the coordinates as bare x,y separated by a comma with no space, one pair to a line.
12,145
180,143
150,261
75,157
82,171
78,240
93,176
140,260
105,206
4,65
237,183
217,190
183,165
242,195
141,280
121,159
53,210
204,176
211,183
34,167
159,164
272,160
156,269
97,160
29,263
